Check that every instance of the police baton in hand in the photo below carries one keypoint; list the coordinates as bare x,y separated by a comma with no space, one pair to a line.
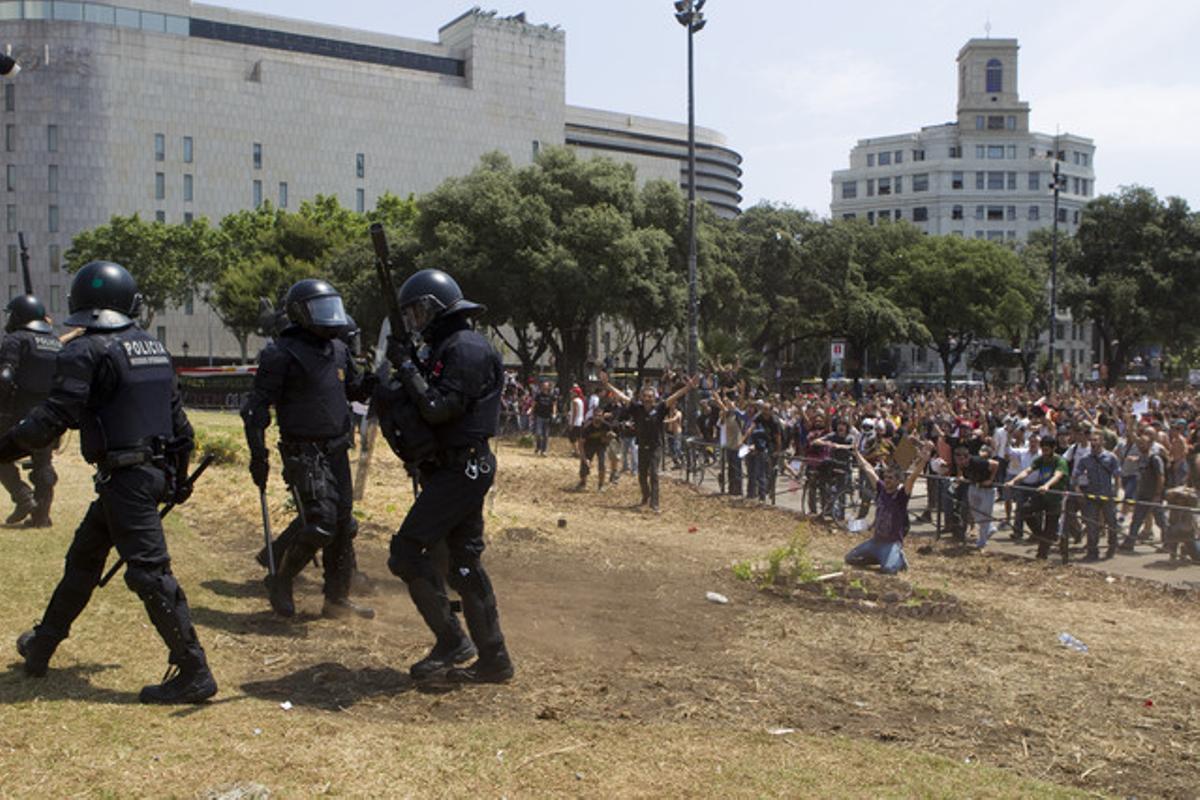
190,482
266,515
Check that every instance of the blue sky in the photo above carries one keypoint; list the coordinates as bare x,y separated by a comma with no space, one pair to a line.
794,84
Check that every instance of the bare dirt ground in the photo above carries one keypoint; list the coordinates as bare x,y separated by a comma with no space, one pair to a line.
630,682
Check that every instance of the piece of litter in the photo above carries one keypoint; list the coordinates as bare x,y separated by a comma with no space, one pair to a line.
1067,640
1148,704
828,577
713,597
858,525
258,731
780,731
1110,579
693,529
286,705
860,704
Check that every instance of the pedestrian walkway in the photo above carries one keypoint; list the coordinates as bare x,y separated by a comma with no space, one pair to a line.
1146,562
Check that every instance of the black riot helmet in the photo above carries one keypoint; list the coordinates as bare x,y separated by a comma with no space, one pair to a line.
316,306
352,336
429,295
103,296
26,312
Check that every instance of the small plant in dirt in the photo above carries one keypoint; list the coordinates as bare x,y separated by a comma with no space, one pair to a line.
743,571
224,447
792,561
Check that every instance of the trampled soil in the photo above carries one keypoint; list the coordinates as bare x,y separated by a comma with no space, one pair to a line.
605,608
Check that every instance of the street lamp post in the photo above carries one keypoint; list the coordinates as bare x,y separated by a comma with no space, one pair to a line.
1056,185
687,13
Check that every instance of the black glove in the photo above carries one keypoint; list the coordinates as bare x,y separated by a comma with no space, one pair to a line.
10,451
399,353
183,490
259,469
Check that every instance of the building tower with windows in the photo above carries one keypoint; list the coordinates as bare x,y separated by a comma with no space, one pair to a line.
986,175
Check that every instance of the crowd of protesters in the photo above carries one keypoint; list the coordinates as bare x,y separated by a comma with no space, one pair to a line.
1094,464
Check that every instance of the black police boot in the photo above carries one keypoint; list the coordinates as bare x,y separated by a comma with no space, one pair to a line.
279,586
344,608
192,682
441,657
42,498
483,621
496,669
25,506
36,647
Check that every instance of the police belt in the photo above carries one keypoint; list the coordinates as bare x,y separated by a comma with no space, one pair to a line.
453,457
292,446
121,459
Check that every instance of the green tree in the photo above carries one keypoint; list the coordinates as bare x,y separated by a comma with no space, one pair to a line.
954,284
235,293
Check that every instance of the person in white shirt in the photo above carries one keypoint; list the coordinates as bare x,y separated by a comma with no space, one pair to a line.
1020,456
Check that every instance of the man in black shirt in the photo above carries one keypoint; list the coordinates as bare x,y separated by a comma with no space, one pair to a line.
647,417
543,413
595,436
765,437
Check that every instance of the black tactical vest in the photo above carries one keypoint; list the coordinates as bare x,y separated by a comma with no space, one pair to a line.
479,370
35,371
139,408
312,404
406,431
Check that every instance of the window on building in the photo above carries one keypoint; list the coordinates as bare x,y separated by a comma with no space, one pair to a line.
995,76
53,219
10,96
920,182
870,217
978,234
979,123
1010,122
980,151
54,252
898,157
1062,215
979,212
955,151
11,218
1033,152
995,151
160,186
52,138
995,236
956,212
13,258
10,138
995,181
1011,212
979,179
187,188
1010,179
360,165
885,159
995,122
360,201
283,198
1075,217
1075,186
885,186
68,11
956,180
189,304
1011,151
256,153
849,190
11,177
1084,158
885,216
1035,181
12,291
849,215
870,159
188,217
127,18
1075,156
920,214
52,178
55,299
1010,236
899,184
187,149
870,187
1034,213
162,335
1060,332
160,147
995,213
160,216
918,155
257,193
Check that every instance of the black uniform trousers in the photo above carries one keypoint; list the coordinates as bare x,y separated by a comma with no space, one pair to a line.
124,515
42,476
319,475
446,522
648,458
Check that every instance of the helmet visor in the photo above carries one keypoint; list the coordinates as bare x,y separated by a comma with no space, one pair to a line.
418,314
326,312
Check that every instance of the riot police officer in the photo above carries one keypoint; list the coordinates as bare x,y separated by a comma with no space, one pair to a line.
456,395
115,383
27,357
307,374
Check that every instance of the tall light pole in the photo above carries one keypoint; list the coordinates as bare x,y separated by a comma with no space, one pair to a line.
1056,185
687,12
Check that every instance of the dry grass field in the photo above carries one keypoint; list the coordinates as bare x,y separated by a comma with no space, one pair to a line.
630,682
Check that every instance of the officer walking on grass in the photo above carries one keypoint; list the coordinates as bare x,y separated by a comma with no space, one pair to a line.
455,393
27,357
307,374
115,383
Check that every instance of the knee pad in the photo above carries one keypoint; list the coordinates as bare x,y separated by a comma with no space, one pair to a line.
43,477
150,580
468,577
407,560
315,535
